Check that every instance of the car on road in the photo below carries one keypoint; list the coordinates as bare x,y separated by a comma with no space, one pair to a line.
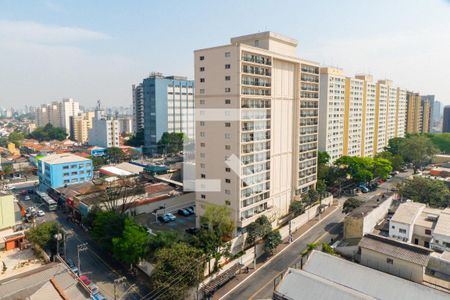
166,218
363,188
75,271
85,279
40,213
190,209
171,216
27,198
97,296
184,212
70,263
94,289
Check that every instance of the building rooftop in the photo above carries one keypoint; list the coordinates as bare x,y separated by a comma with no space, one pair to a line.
331,277
395,248
443,223
63,158
407,212
265,36
368,206
428,217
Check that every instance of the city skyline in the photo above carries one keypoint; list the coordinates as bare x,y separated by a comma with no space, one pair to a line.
89,52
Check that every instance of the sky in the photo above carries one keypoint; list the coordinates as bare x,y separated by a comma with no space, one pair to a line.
90,50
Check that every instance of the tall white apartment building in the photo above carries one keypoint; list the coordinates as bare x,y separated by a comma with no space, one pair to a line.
42,115
256,126
354,98
68,108
332,112
381,117
368,115
391,107
400,127
104,133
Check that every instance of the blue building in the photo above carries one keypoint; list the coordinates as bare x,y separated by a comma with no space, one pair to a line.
168,106
58,170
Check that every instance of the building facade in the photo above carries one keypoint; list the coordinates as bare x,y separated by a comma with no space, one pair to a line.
357,116
446,121
58,170
138,107
105,132
256,138
168,106
57,113
126,125
80,126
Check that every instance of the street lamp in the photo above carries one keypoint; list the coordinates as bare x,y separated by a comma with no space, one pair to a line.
116,282
58,237
81,248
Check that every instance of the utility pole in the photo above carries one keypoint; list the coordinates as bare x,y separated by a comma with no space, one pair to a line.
66,234
81,248
117,281
58,237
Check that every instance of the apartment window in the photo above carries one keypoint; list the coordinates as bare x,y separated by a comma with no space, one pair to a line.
256,43
227,78
74,173
202,133
227,90
393,227
202,57
66,181
202,144
202,91
227,66
202,102
202,155
73,166
80,166
202,69
227,147
390,261
402,230
88,164
427,231
203,196
64,168
81,172
202,123
66,174
202,175
227,124
228,180
202,166
227,136
227,101
227,170
227,54
202,79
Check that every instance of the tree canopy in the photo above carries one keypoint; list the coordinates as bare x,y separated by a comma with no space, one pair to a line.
432,192
48,133
258,229
136,140
350,204
181,264
131,247
218,217
16,137
271,241
417,149
43,235
115,154
441,141
171,143
396,160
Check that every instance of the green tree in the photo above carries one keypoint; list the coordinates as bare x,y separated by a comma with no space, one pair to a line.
131,246
418,150
432,192
350,204
43,235
171,143
321,187
106,226
218,218
394,145
180,263
136,140
359,169
309,248
115,154
323,157
381,168
163,239
7,169
395,159
271,241
16,137
441,141
258,229
297,208
98,162
328,249
48,133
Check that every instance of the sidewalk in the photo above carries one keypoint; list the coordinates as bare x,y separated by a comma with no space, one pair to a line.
263,259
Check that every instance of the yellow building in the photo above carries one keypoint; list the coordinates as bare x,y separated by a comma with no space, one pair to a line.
12,149
414,113
81,125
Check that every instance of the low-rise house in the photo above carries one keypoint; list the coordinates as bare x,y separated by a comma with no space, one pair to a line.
394,257
326,276
58,170
401,226
441,233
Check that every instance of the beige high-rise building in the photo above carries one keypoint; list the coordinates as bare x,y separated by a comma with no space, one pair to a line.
57,113
414,113
357,116
80,126
256,126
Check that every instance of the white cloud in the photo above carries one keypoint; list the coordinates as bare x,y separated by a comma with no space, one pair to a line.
40,33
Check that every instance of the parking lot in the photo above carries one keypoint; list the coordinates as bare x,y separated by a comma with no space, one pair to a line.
180,224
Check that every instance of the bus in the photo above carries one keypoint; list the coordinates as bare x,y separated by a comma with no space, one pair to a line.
49,202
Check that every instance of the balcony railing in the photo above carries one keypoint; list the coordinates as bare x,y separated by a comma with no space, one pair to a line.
257,59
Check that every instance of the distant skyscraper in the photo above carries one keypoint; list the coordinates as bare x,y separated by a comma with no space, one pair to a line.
446,123
105,130
57,113
168,106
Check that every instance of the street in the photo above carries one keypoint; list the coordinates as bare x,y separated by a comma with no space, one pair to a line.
94,264
261,283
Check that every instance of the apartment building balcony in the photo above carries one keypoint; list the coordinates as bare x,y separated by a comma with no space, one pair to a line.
255,125
309,78
311,88
257,59
255,147
258,136
255,82
263,114
252,214
310,69
247,183
255,70
309,105
308,122
255,92
255,103
309,95
309,113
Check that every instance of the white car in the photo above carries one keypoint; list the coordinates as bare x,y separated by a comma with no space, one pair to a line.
40,213
27,198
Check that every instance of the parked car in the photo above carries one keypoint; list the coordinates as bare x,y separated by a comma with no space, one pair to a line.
164,219
171,216
192,230
40,213
190,209
85,279
70,263
184,212
27,198
94,289
75,271
97,296
363,188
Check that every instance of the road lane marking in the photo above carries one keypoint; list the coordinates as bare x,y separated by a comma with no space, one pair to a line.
276,255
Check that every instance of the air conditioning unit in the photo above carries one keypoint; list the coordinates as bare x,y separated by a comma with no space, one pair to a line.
433,218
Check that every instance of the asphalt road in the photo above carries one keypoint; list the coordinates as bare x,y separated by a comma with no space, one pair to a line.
92,261
261,284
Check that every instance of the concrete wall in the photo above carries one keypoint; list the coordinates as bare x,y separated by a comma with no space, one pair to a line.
400,268
7,215
172,204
